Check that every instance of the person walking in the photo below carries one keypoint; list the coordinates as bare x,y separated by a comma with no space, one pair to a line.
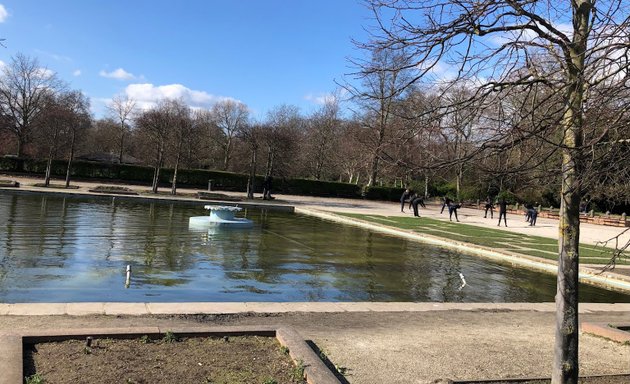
405,196
489,207
447,202
502,212
533,215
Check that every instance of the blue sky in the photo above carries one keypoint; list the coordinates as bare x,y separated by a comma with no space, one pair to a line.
263,53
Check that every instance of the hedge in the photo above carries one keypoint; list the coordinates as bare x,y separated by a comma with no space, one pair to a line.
194,178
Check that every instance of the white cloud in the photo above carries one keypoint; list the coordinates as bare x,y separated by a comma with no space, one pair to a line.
118,74
320,99
45,73
76,72
148,95
3,14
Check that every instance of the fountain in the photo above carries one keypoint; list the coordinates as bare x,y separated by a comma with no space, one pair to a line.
220,216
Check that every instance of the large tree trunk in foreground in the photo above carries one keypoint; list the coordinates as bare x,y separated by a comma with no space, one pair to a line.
566,369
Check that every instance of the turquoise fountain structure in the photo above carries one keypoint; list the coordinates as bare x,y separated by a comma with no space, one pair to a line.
220,216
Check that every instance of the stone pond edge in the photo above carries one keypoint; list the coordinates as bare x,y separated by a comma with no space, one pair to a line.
590,276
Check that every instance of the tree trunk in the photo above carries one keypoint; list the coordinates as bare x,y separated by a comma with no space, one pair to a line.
20,146
426,186
270,156
122,143
252,175
156,171
565,369
458,186
48,167
174,184
373,171
227,154
566,341
70,158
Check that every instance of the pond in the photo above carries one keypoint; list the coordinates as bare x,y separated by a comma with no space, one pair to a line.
76,249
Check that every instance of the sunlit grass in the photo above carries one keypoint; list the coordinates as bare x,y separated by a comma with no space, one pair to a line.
489,237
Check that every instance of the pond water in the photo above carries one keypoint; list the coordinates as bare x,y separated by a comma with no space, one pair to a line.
76,249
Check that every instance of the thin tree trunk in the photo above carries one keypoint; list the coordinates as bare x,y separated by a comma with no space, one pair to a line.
48,167
20,146
252,175
226,154
69,167
174,185
158,166
122,142
426,186
270,156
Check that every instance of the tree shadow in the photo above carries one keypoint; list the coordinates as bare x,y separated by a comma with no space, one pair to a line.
328,363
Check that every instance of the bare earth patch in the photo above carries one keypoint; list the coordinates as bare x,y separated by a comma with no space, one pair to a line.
235,359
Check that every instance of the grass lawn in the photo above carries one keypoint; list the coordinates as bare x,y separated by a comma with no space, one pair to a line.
488,237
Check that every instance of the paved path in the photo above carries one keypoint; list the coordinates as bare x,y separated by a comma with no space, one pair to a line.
589,233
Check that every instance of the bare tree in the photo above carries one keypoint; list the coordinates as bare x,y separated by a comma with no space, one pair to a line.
252,134
78,123
322,137
557,55
281,137
24,88
181,129
382,77
155,125
229,116
122,108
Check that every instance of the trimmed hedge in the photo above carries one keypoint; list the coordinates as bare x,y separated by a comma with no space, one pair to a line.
383,193
194,178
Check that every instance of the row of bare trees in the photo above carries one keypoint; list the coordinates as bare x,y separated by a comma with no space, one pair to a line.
400,132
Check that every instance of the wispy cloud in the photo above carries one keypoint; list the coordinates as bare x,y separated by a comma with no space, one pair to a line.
118,74
76,72
3,14
320,99
54,56
148,95
324,98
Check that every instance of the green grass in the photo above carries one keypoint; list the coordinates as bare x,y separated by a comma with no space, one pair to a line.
537,246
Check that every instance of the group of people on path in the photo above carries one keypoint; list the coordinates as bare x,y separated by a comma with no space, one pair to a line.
414,200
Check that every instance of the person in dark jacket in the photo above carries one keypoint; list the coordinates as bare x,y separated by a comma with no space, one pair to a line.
489,207
502,212
452,208
533,215
417,200
447,202
528,212
420,200
406,196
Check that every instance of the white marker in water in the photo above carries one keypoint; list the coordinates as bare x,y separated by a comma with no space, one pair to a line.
461,276
128,280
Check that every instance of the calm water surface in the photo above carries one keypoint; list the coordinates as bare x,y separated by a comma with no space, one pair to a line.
74,249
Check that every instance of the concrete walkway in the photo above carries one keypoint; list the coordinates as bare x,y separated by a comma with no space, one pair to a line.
376,342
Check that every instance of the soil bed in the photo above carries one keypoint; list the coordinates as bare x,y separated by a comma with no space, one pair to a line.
237,359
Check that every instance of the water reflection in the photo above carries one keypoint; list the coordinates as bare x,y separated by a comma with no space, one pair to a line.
77,249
